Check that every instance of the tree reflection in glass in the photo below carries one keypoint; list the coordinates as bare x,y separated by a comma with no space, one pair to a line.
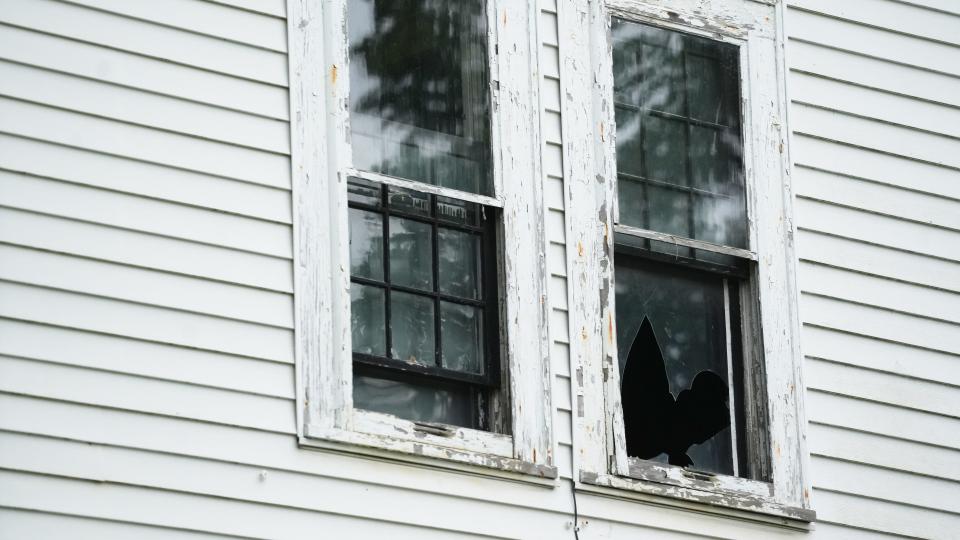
679,148
419,93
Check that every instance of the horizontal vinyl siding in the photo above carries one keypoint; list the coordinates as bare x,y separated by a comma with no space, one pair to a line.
874,87
146,334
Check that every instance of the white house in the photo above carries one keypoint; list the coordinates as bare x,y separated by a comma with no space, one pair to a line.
586,269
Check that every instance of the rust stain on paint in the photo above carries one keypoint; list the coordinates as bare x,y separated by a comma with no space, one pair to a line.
579,248
333,74
610,328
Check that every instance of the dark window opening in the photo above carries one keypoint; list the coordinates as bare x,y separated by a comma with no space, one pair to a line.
423,304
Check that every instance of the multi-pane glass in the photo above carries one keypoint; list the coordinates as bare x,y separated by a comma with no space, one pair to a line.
679,142
680,172
419,303
419,91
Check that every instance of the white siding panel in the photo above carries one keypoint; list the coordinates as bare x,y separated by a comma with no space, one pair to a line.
875,515
885,388
889,138
885,452
142,108
880,354
875,166
878,292
148,39
878,229
890,15
888,107
151,396
203,18
892,421
151,360
127,140
880,323
145,250
39,158
120,318
875,42
876,99
185,511
877,260
31,524
145,215
876,73
145,286
276,8
100,63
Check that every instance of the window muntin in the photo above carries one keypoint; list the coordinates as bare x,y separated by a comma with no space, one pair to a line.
423,304
419,91
680,172
679,142
424,315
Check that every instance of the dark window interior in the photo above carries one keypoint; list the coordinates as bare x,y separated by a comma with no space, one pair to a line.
423,304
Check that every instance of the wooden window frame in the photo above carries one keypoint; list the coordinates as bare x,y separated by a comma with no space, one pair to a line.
321,161
778,434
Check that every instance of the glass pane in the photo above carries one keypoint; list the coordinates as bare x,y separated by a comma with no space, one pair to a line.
363,192
669,210
368,330
411,253
633,203
419,92
629,151
411,329
366,244
417,402
665,149
717,220
461,329
703,84
708,169
688,89
457,211
459,263
671,335
408,201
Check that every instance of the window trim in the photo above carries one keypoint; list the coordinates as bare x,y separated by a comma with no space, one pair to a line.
590,168
320,156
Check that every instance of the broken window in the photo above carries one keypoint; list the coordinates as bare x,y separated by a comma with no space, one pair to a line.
681,260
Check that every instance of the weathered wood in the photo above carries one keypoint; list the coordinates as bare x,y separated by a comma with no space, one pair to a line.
688,242
322,163
773,359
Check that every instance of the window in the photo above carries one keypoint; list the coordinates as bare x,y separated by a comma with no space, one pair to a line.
694,366
419,331
679,172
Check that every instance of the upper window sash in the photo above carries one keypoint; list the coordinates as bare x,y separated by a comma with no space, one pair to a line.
343,113
590,168
322,161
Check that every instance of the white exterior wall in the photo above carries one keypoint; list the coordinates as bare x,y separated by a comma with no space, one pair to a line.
146,343
875,115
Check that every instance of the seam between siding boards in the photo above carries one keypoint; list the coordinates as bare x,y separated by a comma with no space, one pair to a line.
792,6
175,27
329,476
145,55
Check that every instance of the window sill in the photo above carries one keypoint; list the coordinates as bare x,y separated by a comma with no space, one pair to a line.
718,501
465,450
